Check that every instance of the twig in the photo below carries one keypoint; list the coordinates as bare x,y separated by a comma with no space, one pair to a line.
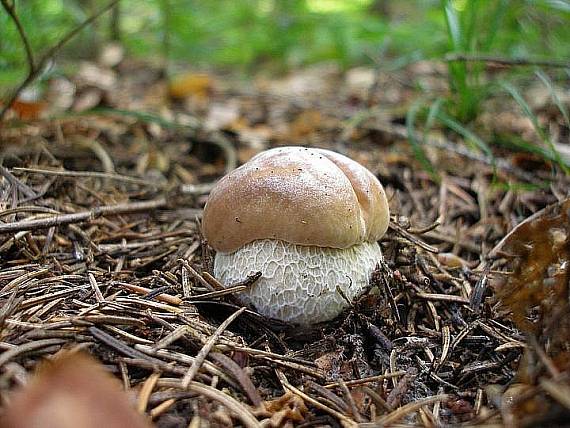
444,297
413,239
28,347
240,375
455,57
553,209
9,306
477,293
357,382
119,346
196,275
59,220
163,297
351,404
146,390
345,421
238,409
557,390
36,67
197,189
89,174
220,293
207,347
400,131
26,190
11,9
399,413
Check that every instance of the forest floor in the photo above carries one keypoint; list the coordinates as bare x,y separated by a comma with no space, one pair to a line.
100,249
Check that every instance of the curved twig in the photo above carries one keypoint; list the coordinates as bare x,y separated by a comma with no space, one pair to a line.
36,67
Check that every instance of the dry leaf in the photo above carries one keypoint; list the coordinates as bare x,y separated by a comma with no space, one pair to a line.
283,411
537,290
28,110
306,123
72,391
191,84
537,294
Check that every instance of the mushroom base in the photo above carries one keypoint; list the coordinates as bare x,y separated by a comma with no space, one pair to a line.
299,284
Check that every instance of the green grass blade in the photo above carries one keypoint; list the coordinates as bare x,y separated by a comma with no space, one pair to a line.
465,133
513,92
524,146
434,109
417,147
470,26
548,83
453,24
493,30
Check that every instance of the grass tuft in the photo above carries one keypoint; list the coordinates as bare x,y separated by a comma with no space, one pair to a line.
554,155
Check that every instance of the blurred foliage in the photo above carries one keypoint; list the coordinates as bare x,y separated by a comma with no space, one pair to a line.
511,28
285,34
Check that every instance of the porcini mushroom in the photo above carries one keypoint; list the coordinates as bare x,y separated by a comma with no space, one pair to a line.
308,220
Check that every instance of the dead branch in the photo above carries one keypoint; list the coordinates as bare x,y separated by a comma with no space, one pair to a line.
11,10
461,57
60,220
36,67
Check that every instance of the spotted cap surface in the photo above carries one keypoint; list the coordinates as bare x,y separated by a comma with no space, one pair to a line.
303,196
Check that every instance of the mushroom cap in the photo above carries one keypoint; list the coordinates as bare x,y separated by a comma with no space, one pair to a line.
303,196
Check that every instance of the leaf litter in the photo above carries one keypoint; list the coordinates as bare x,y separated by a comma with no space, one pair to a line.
101,250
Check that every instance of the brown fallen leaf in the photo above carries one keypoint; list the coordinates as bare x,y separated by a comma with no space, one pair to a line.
536,292
191,84
28,110
74,390
283,412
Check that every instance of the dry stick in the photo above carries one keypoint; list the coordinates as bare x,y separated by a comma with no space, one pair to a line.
93,282
553,209
207,347
59,220
443,297
343,419
146,390
356,382
220,293
171,337
196,275
119,346
413,239
163,297
399,413
88,174
351,404
28,347
36,67
270,356
422,230
240,375
377,399
9,307
400,131
26,190
328,397
11,9
240,410
456,57
559,391
161,408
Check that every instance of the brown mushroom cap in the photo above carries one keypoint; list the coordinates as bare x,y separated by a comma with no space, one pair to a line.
298,195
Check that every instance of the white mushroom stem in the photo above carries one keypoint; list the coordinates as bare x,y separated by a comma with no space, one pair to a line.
299,284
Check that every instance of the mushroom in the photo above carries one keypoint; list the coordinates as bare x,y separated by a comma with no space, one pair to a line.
308,220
